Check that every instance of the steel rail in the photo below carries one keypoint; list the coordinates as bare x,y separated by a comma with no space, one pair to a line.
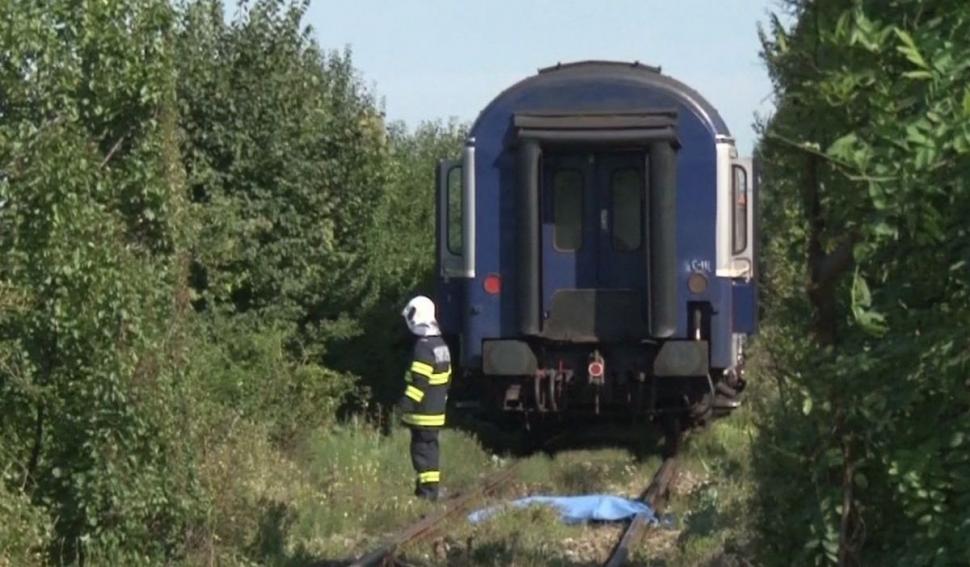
384,555
654,496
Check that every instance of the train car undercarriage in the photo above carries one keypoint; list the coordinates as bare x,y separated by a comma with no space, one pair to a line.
607,382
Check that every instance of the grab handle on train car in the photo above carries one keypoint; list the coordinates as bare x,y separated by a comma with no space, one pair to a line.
468,209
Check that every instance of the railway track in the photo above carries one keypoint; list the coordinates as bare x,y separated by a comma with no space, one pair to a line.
386,554
654,495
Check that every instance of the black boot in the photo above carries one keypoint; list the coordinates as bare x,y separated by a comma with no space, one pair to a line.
427,491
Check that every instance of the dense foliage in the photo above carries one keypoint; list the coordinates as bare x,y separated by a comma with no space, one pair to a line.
187,207
400,256
92,238
867,162
284,154
285,149
207,231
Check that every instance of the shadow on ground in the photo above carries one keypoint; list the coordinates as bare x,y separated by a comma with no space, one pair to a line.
512,436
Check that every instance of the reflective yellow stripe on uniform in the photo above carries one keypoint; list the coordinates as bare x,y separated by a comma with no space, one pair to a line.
422,368
426,370
439,378
426,420
429,476
414,393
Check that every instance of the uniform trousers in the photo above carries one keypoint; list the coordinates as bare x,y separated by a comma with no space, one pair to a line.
424,457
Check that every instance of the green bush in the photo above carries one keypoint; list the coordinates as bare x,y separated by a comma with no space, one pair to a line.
93,223
867,293
285,156
248,373
183,204
400,257
25,530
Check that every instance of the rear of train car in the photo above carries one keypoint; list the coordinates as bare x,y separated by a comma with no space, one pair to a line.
596,248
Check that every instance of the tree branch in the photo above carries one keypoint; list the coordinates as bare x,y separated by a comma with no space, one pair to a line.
111,152
117,145
848,170
836,262
38,443
847,550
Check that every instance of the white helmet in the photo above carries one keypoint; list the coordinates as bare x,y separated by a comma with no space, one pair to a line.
419,315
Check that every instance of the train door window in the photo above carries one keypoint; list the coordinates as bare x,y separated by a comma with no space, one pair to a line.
454,210
626,188
567,205
740,211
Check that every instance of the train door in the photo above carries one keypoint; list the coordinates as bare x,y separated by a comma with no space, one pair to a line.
593,232
621,194
450,243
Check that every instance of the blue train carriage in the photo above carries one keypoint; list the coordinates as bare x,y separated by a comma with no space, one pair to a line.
596,248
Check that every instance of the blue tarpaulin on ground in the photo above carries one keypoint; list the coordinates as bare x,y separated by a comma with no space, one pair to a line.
577,509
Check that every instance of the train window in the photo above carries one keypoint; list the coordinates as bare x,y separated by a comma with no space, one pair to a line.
454,210
740,216
567,204
626,189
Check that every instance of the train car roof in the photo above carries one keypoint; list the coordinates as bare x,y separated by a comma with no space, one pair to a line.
647,75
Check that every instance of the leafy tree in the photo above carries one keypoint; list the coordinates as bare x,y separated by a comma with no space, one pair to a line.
866,167
285,150
286,156
90,283
400,255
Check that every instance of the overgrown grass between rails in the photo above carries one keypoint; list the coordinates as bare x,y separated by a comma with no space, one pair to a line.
709,504
535,535
368,480
334,495
712,496
340,491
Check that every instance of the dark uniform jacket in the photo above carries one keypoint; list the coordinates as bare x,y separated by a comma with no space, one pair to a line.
426,391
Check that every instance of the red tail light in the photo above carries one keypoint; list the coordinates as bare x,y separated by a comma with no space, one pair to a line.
492,284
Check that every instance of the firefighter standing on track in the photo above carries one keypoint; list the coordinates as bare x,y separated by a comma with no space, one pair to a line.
426,393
